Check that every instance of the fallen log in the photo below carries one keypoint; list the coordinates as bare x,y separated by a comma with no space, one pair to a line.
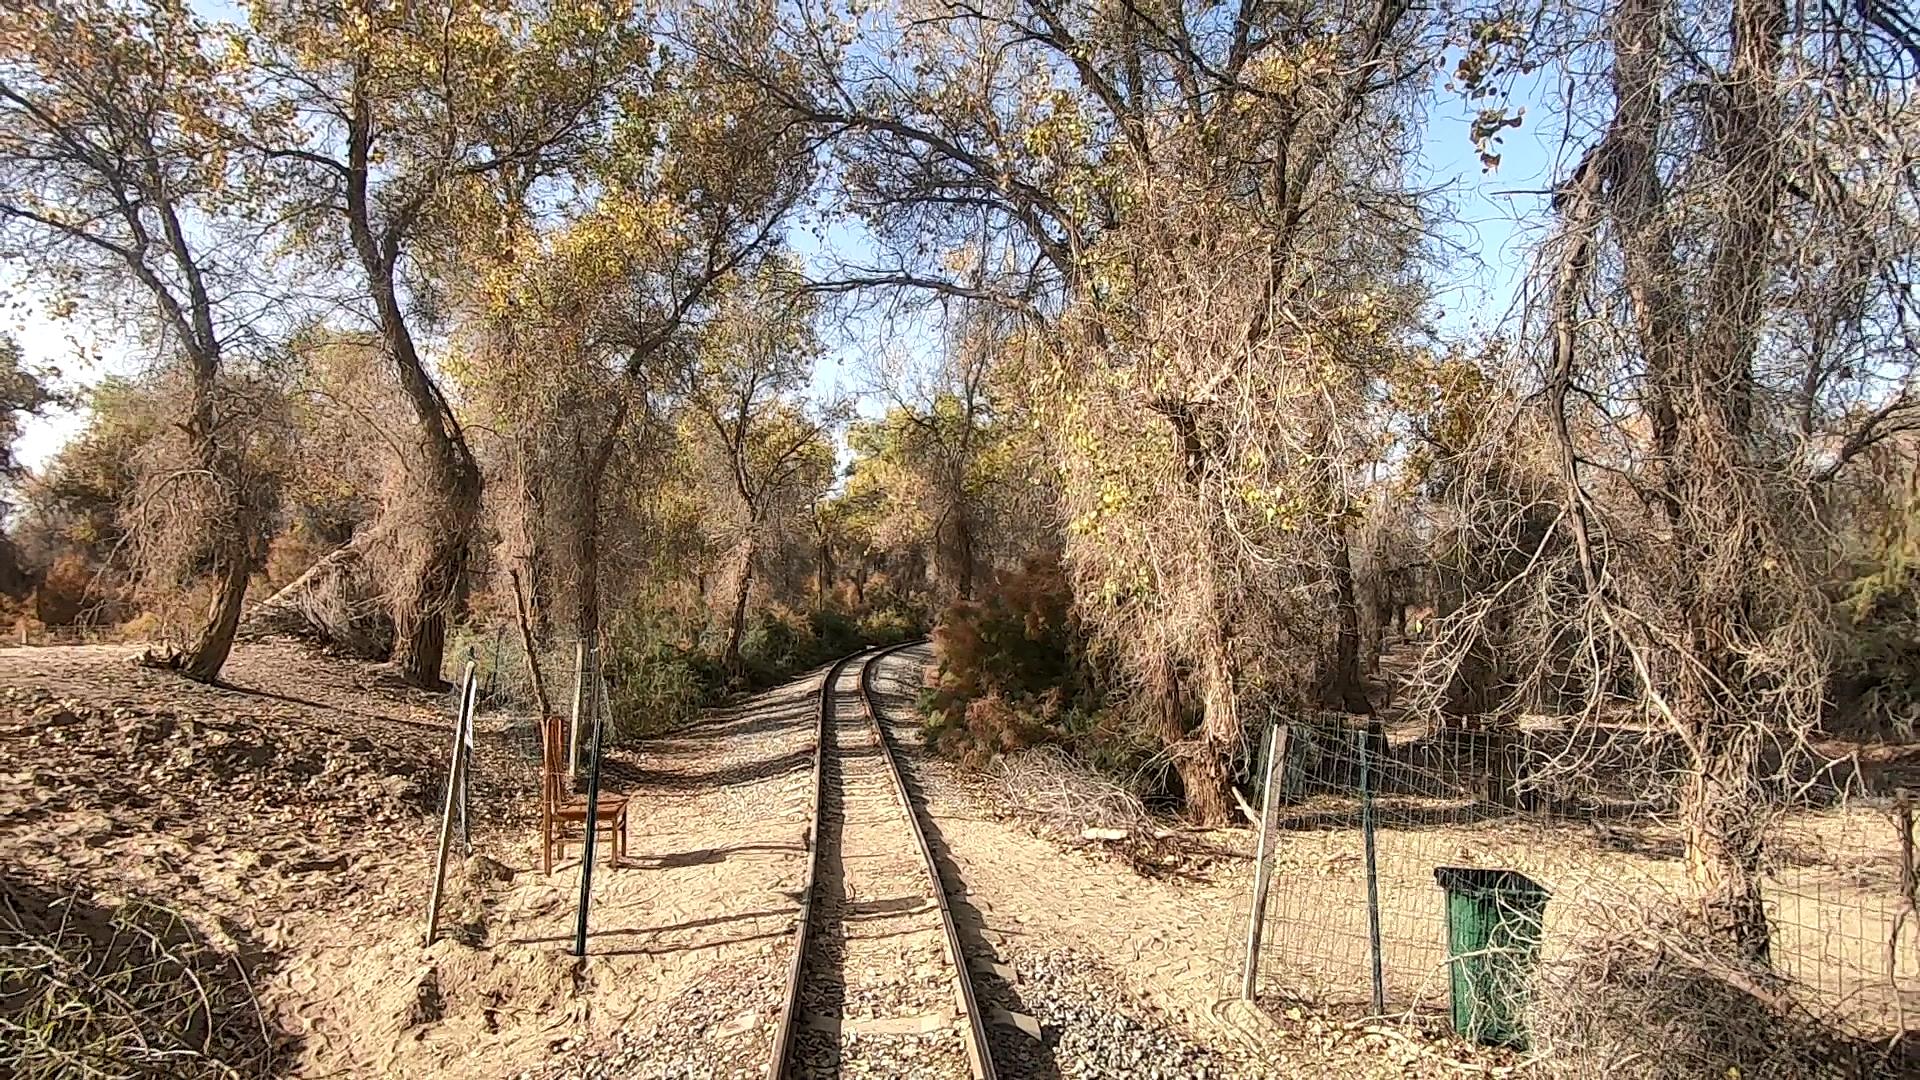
336,602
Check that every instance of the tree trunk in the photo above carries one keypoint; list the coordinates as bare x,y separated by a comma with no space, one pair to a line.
964,557
1203,780
737,624
228,518
586,570
1722,807
1723,834
203,660
533,509
421,608
435,555
1343,687
531,645
1205,764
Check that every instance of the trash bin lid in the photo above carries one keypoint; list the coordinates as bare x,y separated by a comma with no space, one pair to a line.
1468,879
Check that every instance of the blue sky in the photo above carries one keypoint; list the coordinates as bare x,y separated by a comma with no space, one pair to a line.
1476,290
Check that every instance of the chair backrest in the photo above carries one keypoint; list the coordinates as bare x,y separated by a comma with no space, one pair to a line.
553,760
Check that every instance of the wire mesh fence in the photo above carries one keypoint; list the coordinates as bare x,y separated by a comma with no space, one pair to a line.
1366,822
573,675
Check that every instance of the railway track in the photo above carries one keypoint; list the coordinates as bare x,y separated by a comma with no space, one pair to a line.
879,984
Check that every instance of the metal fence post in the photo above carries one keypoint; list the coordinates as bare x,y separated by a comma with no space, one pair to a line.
593,828
1365,737
1263,858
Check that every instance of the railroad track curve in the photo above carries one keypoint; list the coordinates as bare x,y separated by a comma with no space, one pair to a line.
878,983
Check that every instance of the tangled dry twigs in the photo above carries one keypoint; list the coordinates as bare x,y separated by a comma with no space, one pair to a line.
1074,804
1046,785
1659,997
97,991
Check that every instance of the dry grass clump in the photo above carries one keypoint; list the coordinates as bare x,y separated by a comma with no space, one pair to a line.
1658,1002
133,990
1072,803
1045,784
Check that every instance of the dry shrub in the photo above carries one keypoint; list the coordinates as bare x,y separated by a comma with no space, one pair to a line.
1046,785
1658,1002
1071,802
1011,670
63,593
989,726
338,602
126,991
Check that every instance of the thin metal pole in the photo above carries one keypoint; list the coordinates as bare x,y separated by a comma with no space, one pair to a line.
579,686
470,707
593,827
1263,859
1365,736
446,816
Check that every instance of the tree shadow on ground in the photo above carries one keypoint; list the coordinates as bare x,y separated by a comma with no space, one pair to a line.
132,989
1015,1054
743,723
634,777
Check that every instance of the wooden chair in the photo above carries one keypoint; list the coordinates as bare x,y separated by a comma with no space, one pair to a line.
560,807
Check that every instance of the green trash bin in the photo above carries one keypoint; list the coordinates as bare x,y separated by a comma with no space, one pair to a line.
1494,919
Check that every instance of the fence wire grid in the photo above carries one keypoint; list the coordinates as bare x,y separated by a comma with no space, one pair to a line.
1838,877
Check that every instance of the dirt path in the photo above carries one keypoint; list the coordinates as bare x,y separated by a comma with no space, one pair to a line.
292,818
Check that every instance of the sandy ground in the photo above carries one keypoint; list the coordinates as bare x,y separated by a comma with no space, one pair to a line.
1164,946
294,815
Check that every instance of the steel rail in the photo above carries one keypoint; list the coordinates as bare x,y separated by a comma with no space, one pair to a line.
979,1056
979,1059
796,969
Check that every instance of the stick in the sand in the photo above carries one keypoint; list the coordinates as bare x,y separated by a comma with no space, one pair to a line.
1263,857
455,774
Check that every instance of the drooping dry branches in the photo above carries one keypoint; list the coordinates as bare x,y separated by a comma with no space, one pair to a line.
1647,478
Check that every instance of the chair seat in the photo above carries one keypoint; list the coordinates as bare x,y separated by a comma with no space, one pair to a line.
576,809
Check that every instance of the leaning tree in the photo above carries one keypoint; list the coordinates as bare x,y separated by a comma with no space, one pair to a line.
405,131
